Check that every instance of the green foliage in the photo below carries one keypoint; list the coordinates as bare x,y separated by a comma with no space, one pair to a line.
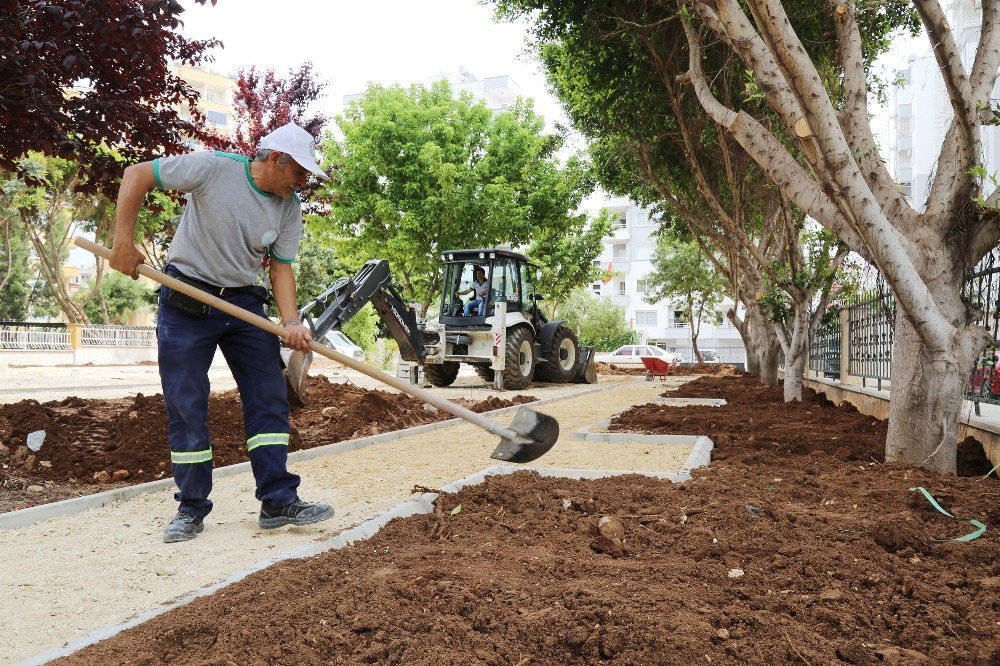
419,172
597,321
317,267
684,277
15,253
122,295
567,258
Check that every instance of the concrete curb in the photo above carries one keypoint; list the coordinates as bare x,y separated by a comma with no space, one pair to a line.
36,514
701,446
598,433
423,504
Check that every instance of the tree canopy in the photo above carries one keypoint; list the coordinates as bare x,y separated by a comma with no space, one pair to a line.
419,171
81,74
265,101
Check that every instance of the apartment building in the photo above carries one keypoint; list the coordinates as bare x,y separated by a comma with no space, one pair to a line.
497,92
628,253
215,96
921,110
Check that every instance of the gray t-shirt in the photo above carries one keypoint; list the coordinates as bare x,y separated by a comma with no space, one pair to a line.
228,223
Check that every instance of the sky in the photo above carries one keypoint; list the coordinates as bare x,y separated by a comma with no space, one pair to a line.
383,41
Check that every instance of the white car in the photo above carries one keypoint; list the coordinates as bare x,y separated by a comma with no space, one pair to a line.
709,355
632,355
339,342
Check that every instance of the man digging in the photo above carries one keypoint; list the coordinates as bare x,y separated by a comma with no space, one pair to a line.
240,214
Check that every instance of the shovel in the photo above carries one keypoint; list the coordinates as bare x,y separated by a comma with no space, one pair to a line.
529,436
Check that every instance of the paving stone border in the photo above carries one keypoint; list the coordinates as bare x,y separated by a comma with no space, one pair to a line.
701,446
422,504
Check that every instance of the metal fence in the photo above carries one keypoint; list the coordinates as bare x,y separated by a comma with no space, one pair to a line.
23,335
119,336
870,333
824,351
982,289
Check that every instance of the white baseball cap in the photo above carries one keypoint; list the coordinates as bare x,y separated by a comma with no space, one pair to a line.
296,142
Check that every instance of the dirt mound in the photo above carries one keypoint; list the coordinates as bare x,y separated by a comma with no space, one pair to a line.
95,445
796,559
710,369
492,402
612,369
756,418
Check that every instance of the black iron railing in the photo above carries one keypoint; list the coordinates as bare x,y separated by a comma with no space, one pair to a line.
869,329
824,351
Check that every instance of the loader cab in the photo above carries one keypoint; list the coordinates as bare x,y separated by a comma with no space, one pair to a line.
510,278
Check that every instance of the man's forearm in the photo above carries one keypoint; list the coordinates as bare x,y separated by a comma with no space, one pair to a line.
136,183
284,292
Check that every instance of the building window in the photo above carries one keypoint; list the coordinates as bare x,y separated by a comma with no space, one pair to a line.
217,118
645,318
642,218
643,252
621,288
906,189
620,253
642,286
596,263
622,222
906,157
596,287
906,125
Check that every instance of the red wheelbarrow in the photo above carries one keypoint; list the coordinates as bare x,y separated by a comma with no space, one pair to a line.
656,367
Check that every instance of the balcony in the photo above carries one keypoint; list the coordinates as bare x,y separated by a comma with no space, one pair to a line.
621,300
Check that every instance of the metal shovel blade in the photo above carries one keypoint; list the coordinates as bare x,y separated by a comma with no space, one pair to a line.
536,434
296,374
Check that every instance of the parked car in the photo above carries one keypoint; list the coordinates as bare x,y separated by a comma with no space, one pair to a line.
337,341
632,355
709,355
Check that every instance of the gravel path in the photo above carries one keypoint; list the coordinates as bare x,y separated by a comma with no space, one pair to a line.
72,575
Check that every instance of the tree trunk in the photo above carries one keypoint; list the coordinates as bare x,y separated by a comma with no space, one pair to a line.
797,351
770,356
766,348
926,404
752,356
694,348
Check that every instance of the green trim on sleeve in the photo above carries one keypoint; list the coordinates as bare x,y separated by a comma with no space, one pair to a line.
156,174
246,168
279,259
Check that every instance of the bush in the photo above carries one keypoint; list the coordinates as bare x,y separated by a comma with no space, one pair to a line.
597,321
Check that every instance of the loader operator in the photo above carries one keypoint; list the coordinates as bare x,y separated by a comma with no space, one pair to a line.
241,214
479,289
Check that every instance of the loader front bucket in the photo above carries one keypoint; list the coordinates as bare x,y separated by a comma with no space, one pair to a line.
586,371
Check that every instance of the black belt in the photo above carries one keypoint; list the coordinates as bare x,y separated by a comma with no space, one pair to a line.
210,288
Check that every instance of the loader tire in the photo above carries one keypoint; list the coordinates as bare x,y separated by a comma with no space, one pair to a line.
562,359
485,371
519,366
441,374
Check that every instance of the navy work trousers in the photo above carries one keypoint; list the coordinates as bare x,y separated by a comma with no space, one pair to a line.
187,345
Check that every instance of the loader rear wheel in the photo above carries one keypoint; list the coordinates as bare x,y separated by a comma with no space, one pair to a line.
562,358
519,366
485,371
441,374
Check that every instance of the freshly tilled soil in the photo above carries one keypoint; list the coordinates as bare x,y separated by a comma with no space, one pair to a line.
776,553
95,445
